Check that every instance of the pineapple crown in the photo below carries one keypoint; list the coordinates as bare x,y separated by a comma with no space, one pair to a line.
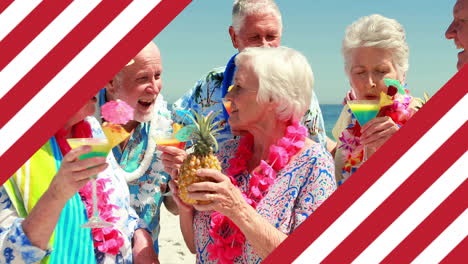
204,132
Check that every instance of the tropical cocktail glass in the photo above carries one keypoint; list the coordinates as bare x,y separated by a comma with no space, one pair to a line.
364,111
169,140
100,147
227,105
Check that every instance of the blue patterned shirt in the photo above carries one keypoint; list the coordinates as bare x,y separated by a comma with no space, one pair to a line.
146,191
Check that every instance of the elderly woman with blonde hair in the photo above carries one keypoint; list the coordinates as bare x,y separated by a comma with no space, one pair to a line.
376,54
273,178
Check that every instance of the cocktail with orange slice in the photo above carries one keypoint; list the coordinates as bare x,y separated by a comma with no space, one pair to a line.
227,105
226,102
115,113
100,147
169,139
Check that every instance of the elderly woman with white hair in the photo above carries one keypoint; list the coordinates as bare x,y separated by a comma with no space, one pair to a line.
273,178
376,61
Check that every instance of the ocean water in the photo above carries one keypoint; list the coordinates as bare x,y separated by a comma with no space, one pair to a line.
330,113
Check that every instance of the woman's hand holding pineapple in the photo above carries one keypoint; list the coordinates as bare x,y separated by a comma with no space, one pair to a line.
183,207
224,196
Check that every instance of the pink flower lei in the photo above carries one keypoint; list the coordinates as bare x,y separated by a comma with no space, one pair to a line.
400,112
228,239
108,239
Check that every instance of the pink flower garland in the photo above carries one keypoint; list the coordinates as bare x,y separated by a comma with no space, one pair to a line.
228,239
108,239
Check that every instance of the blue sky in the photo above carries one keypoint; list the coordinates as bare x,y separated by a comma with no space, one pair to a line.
198,40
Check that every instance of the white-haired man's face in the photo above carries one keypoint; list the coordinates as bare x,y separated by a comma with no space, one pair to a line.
257,30
458,30
139,84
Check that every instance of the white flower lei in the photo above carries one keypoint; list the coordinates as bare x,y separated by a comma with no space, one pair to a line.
161,123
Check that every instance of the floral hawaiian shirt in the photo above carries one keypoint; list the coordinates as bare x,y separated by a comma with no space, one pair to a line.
299,189
146,192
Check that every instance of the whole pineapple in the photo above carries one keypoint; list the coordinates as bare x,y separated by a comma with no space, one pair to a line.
202,157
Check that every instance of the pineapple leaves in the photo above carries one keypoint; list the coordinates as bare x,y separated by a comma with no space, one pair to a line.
215,142
204,131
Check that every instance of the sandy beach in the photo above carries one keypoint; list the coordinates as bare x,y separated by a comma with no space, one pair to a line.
172,249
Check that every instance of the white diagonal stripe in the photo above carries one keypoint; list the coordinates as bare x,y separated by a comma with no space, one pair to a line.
445,242
416,213
14,14
386,184
44,43
74,71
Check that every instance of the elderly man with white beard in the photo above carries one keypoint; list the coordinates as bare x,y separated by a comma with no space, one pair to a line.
139,84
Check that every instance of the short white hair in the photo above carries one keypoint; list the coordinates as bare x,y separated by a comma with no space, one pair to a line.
379,32
285,78
243,8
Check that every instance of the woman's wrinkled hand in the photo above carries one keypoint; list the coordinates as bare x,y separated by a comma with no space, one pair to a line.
226,198
74,173
172,159
183,207
376,132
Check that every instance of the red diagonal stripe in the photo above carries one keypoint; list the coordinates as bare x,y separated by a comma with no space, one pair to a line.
102,72
4,4
401,199
380,162
29,28
59,57
431,227
459,254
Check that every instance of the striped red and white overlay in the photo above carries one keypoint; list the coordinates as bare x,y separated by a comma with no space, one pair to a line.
407,203
55,55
